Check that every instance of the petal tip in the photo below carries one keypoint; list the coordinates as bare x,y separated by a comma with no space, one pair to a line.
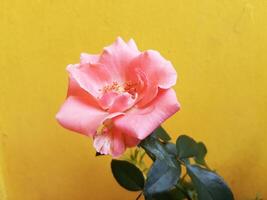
70,67
131,43
119,39
57,117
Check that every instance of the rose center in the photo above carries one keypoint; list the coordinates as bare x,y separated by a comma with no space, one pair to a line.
128,86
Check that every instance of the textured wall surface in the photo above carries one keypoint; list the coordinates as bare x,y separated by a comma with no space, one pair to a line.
218,48
2,185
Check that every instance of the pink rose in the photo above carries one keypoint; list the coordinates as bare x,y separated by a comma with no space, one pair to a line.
119,97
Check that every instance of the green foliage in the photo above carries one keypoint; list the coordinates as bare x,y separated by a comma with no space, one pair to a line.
136,157
171,149
186,147
209,186
161,134
201,152
161,178
189,148
165,180
127,175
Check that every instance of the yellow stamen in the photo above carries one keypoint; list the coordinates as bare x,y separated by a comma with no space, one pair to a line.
128,86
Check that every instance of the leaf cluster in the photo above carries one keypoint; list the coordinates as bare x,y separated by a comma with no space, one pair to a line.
179,171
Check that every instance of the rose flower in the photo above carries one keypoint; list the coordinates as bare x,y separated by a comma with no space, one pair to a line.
119,97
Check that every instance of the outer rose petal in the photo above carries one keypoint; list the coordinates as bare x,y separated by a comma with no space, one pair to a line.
91,77
140,122
114,142
110,143
77,114
121,142
131,43
86,58
75,90
118,146
117,57
158,68
131,141
102,143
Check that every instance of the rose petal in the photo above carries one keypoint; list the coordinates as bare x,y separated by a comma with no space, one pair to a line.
122,102
74,89
102,143
107,99
117,57
113,142
131,43
91,77
158,72
78,115
110,142
158,68
140,122
86,58
130,141
118,146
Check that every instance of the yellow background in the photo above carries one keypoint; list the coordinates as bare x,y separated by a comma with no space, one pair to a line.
219,49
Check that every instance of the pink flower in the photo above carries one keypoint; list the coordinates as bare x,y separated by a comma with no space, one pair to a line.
119,97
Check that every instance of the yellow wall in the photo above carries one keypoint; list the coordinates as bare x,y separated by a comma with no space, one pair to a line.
2,186
218,47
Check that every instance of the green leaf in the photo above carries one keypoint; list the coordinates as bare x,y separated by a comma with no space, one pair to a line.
165,172
201,153
176,194
173,194
162,134
186,147
155,149
171,148
188,185
127,175
209,186
161,178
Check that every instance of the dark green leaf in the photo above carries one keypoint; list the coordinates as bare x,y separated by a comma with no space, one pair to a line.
201,153
161,177
171,148
173,194
127,175
155,149
164,171
209,185
176,194
188,185
186,147
162,134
